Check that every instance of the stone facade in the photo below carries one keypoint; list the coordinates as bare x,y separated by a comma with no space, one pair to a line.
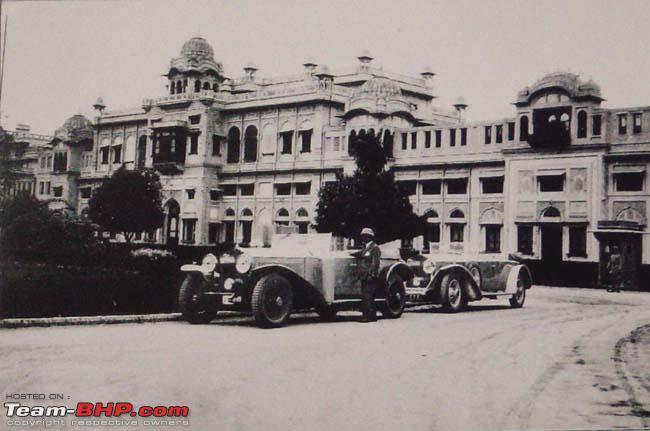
240,156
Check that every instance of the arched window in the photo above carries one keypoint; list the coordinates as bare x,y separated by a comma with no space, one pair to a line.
457,214
302,220
233,145
206,85
432,230
246,213
172,87
229,213
246,225
179,87
142,151
388,144
250,144
282,217
282,212
551,212
269,139
582,124
197,86
215,87
523,128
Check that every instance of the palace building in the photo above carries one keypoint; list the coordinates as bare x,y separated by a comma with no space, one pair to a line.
561,181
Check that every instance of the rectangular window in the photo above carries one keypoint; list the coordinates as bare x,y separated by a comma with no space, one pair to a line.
229,226
287,142
629,181
414,140
636,123
456,232
488,135
405,137
283,189
493,239
463,137
41,187
190,193
194,144
551,183
189,230
117,154
104,154
452,137
511,131
216,145
438,138
427,139
213,233
491,185
431,187
195,119
305,136
525,239
85,192
43,160
214,195
247,189
408,188
49,159
58,191
499,134
303,188
229,189
456,186
622,124
47,188
578,241
434,232
596,124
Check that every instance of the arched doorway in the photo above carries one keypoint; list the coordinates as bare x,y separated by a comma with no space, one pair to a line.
173,210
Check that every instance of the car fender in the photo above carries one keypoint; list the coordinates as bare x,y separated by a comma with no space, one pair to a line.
399,268
297,280
511,283
472,290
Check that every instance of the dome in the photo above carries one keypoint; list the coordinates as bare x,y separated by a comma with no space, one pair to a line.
197,47
75,128
380,88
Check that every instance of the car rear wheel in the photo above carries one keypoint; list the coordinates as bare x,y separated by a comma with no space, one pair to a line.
453,293
517,300
393,307
189,301
272,301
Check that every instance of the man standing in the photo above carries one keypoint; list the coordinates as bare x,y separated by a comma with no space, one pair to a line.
368,272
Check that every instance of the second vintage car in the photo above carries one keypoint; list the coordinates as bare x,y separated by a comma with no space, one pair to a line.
297,272
453,280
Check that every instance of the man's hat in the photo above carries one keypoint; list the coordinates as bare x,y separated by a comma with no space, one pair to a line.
367,231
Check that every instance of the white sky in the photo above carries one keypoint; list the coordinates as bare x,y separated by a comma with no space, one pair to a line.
61,55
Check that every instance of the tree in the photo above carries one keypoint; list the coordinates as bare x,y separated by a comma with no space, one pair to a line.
7,174
368,198
129,202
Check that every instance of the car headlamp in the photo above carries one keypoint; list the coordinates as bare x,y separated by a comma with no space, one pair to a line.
228,283
209,262
243,263
429,266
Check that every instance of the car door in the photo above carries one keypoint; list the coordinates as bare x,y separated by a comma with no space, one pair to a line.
346,276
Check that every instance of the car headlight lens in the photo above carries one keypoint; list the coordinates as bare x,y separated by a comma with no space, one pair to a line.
244,263
209,262
228,283
428,266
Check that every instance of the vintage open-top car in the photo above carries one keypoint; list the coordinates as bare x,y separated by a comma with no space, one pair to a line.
299,271
453,280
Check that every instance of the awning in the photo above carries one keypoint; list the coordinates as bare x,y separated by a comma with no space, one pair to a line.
628,169
551,172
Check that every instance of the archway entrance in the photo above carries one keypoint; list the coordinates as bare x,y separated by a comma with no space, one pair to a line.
173,210
552,243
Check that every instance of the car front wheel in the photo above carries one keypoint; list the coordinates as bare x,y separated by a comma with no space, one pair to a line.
452,293
272,301
189,301
393,307
517,300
